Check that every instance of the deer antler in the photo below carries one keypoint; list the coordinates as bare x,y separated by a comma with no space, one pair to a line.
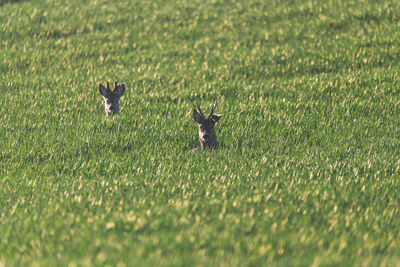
199,109
213,109
108,86
115,86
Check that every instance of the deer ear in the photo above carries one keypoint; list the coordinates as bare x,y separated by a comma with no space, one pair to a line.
196,116
119,89
215,117
103,90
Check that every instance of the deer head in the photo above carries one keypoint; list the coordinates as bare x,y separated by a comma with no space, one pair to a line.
111,98
206,126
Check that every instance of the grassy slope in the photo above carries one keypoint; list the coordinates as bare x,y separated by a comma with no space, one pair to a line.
308,170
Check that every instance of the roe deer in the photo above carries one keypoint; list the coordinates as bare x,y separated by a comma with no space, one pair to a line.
111,98
206,126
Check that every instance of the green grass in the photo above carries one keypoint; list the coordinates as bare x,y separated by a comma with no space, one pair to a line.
308,171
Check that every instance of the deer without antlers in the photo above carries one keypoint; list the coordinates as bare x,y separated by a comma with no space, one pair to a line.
206,126
111,98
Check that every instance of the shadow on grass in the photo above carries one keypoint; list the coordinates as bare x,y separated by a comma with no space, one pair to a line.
3,2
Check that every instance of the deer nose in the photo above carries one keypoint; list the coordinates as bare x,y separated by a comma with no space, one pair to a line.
206,136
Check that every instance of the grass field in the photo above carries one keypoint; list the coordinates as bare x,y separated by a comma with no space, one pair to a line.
308,169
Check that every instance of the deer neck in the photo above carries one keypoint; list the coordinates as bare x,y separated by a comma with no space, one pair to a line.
212,143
